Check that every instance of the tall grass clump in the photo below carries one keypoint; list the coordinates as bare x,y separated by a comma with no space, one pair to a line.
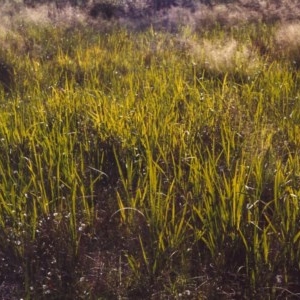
287,40
147,164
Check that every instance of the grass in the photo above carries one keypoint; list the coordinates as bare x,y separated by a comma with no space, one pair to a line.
146,164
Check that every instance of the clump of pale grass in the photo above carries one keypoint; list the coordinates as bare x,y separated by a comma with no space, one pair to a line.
234,13
287,42
50,14
175,18
15,13
138,14
224,56
201,17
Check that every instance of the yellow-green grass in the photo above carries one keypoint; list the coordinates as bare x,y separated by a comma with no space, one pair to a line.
149,164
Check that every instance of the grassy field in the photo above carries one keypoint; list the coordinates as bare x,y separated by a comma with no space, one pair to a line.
149,164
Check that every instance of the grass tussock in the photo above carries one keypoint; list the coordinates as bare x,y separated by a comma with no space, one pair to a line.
147,163
224,55
287,39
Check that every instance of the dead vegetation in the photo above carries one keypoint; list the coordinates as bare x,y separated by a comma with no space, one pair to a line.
164,14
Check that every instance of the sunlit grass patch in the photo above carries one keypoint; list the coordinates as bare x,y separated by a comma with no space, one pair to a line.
149,164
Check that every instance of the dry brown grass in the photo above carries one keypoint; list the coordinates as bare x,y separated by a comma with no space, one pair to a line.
233,13
135,13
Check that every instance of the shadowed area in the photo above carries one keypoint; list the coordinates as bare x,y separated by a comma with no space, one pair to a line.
6,76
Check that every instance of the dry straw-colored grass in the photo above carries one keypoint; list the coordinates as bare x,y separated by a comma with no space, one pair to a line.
225,55
15,13
222,55
233,13
137,14
287,41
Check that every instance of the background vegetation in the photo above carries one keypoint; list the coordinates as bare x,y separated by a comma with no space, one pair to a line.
148,160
